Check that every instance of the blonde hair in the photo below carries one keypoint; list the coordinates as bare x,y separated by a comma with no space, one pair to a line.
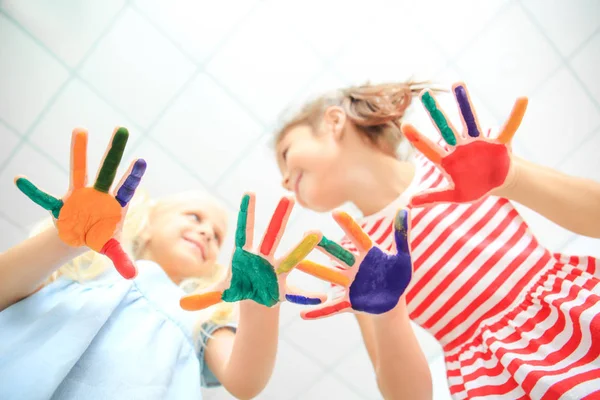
375,110
91,264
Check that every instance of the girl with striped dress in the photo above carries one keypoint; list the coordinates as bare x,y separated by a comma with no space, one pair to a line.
515,320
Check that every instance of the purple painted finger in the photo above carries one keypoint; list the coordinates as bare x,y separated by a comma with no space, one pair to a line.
127,189
466,110
401,231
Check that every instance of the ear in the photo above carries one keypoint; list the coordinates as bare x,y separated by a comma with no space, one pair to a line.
334,121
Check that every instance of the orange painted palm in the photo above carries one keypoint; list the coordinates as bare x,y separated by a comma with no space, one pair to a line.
93,216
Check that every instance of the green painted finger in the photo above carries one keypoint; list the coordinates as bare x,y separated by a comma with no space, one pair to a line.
438,118
108,171
337,251
242,221
39,197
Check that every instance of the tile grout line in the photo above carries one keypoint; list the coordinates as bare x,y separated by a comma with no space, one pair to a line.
566,61
191,172
567,66
201,68
583,44
72,73
579,145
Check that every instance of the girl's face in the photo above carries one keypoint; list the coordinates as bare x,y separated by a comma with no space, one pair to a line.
312,163
185,237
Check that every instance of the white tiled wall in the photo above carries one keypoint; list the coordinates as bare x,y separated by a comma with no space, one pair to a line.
200,85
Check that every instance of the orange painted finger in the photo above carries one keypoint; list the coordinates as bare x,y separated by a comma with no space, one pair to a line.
362,241
79,140
196,302
429,149
324,273
514,120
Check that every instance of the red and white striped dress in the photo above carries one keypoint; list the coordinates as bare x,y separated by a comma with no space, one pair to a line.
515,321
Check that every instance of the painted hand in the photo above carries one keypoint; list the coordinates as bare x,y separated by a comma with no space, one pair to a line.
93,216
474,165
258,276
374,280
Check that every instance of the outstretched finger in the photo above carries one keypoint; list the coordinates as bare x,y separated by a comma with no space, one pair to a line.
298,296
336,251
195,302
401,231
38,196
327,309
438,117
466,109
112,159
514,121
299,252
130,182
276,226
361,240
322,272
429,149
79,140
113,250
432,197
245,223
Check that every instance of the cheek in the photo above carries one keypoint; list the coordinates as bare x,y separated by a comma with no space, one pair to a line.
321,194
214,252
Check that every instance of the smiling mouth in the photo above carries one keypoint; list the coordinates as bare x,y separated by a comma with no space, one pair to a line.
198,246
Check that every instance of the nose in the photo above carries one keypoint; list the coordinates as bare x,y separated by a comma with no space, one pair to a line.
206,232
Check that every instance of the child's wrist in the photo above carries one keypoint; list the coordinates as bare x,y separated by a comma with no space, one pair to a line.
392,317
512,177
254,308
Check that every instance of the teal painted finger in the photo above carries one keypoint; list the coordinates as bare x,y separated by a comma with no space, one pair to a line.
337,251
39,197
438,118
108,171
242,222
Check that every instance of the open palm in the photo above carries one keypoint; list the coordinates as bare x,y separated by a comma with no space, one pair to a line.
474,165
92,216
259,276
373,280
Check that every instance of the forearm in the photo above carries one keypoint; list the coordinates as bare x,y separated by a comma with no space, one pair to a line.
401,367
252,358
26,266
571,202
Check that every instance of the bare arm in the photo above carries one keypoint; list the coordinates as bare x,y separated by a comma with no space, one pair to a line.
400,365
571,202
25,267
244,362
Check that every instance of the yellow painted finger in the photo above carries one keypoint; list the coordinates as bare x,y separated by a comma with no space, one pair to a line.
299,253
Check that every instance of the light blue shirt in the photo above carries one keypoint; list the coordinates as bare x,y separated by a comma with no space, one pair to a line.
108,339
